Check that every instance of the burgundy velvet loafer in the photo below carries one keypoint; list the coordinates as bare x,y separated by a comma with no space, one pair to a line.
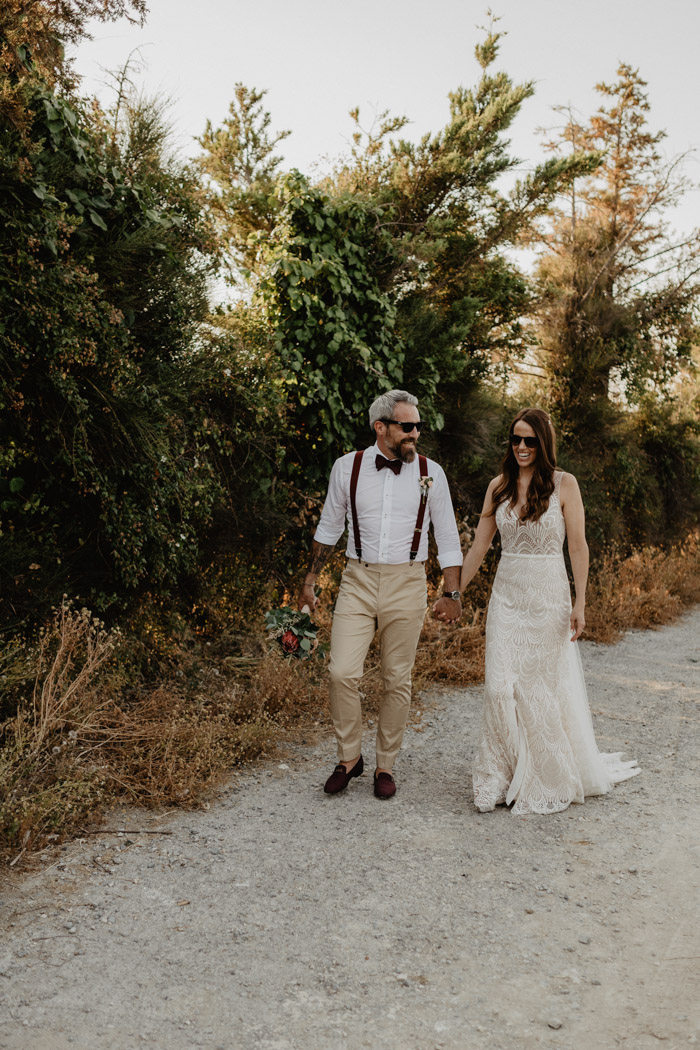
339,779
384,785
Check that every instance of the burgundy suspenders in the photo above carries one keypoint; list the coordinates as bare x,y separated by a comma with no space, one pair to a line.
357,462
423,465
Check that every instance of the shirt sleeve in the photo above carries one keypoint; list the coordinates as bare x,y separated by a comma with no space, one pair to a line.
442,516
331,525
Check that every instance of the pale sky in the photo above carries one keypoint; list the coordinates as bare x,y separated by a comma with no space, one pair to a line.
320,58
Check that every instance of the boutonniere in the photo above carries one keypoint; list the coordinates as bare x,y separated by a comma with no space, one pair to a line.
425,486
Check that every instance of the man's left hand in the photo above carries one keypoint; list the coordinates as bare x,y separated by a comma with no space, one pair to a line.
447,610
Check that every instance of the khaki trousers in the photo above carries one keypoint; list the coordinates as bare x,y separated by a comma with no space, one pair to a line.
390,599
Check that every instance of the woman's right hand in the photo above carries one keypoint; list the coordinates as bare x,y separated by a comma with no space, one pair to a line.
577,622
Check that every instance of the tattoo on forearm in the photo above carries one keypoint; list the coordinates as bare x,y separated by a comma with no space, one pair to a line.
320,553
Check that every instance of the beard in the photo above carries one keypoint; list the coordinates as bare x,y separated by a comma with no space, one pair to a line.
405,450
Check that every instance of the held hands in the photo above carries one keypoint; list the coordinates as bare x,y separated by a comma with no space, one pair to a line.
578,622
447,610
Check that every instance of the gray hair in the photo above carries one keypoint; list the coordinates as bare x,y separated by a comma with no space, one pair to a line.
383,407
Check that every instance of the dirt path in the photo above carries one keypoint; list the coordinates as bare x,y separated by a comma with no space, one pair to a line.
281,919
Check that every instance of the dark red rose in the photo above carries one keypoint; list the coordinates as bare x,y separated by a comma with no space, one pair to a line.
289,642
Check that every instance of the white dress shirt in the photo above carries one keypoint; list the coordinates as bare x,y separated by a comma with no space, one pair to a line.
387,508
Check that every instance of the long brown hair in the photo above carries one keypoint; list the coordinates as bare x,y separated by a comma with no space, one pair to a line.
542,482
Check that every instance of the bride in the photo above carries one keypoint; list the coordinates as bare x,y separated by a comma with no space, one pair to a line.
537,750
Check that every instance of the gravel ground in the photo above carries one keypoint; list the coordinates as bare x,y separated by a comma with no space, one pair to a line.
282,919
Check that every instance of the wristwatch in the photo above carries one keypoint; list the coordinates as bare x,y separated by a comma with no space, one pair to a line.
456,596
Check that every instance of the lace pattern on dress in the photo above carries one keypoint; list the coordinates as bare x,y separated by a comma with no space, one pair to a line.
537,748
544,536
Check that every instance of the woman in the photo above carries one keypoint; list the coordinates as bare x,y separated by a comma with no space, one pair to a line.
537,749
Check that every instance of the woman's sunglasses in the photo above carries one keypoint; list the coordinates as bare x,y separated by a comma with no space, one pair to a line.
531,442
406,427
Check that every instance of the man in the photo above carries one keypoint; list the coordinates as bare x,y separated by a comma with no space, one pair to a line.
388,495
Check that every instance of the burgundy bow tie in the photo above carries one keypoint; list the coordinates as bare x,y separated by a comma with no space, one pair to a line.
392,464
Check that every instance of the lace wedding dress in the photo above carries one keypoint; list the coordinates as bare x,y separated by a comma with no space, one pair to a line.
537,748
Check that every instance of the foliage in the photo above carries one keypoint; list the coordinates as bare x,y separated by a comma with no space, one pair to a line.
459,296
393,271
33,35
239,160
333,323
105,260
618,320
237,411
619,292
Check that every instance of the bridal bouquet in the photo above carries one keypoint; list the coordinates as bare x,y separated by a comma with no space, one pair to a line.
294,631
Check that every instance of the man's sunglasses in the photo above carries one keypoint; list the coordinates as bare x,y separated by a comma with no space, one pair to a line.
406,427
531,442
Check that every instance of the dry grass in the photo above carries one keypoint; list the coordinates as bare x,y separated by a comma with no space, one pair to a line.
77,736
74,743
48,775
646,589
453,655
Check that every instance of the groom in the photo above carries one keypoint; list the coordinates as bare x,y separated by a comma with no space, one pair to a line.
388,495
